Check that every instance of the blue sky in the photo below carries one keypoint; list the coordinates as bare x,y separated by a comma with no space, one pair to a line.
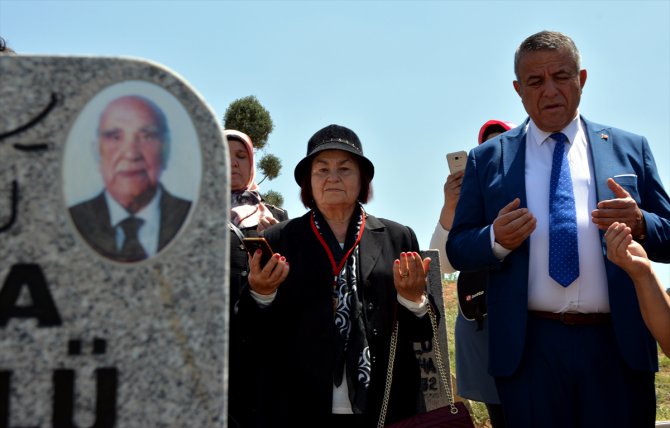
414,79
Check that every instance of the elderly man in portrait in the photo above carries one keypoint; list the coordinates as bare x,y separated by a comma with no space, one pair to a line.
134,216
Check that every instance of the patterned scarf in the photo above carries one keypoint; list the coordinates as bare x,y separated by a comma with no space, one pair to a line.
351,345
247,208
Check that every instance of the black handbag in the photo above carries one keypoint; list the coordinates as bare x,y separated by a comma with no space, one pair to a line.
453,415
471,289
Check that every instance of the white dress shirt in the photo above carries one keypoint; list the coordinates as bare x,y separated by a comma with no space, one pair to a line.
588,293
148,233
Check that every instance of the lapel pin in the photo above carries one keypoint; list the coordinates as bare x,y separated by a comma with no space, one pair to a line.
604,137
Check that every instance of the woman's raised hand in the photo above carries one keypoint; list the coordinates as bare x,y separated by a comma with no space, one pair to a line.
409,275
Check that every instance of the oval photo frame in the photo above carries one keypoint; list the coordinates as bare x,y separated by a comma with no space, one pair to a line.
132,170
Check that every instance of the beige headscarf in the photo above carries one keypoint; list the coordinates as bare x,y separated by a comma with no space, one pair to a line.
247,207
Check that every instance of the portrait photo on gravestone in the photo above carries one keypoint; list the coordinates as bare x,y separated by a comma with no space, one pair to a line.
94,331
131,171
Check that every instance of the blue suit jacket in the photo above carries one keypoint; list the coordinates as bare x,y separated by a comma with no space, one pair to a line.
494,176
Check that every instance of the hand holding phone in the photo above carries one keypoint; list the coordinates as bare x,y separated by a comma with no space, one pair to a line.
457,161
253,244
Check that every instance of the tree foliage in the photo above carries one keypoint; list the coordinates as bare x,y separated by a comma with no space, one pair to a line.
249,116
270,165
274,198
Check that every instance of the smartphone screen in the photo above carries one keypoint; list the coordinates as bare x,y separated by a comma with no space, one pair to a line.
457,161
253,244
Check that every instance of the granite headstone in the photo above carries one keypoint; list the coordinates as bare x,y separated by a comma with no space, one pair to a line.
434,391
93,334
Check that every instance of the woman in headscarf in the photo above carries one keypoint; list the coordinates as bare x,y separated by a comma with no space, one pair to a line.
249,215
471,335
248,210
325,323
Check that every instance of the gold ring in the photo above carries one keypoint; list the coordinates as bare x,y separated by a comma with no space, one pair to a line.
404,275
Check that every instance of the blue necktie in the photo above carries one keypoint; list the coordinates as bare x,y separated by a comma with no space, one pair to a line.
563,251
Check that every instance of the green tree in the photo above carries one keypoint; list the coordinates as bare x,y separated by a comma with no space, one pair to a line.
270,165
249,116
274,198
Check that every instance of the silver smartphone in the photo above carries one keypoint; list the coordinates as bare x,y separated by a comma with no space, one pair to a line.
457,161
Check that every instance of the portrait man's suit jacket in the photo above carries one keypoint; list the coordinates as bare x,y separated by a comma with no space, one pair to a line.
494,176
92,220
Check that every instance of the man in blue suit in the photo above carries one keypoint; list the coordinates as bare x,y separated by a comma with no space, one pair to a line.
568,345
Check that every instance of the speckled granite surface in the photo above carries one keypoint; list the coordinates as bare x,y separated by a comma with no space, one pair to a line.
133,344
434,392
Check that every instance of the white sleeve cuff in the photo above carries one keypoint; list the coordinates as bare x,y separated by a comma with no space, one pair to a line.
498,250
418,309
263,300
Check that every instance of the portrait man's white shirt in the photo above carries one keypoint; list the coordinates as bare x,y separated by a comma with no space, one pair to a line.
148,233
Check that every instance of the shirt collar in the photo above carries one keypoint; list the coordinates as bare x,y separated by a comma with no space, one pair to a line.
117,213
539,137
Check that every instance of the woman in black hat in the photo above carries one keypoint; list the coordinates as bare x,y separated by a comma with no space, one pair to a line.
322,309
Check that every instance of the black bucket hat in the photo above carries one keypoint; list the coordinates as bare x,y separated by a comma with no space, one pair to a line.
333,137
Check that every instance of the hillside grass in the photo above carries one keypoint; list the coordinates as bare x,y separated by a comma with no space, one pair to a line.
478,410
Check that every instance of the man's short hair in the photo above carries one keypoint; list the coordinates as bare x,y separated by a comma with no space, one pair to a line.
546,41
161,123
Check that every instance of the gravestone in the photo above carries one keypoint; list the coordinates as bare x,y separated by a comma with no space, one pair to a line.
434,392
94,334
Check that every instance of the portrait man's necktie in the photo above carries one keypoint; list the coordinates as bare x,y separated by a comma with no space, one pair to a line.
132,250
563,250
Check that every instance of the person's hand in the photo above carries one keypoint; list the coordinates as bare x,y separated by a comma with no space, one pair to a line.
266,222
269,278
513,225
409,276
452,190
623,251
622,209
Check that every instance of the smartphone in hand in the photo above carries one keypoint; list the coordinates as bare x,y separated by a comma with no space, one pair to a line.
253,244
457,161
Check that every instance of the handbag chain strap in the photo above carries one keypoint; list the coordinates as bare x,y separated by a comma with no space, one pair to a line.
441,368
236,231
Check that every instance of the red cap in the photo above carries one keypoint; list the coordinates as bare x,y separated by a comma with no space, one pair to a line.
506,125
